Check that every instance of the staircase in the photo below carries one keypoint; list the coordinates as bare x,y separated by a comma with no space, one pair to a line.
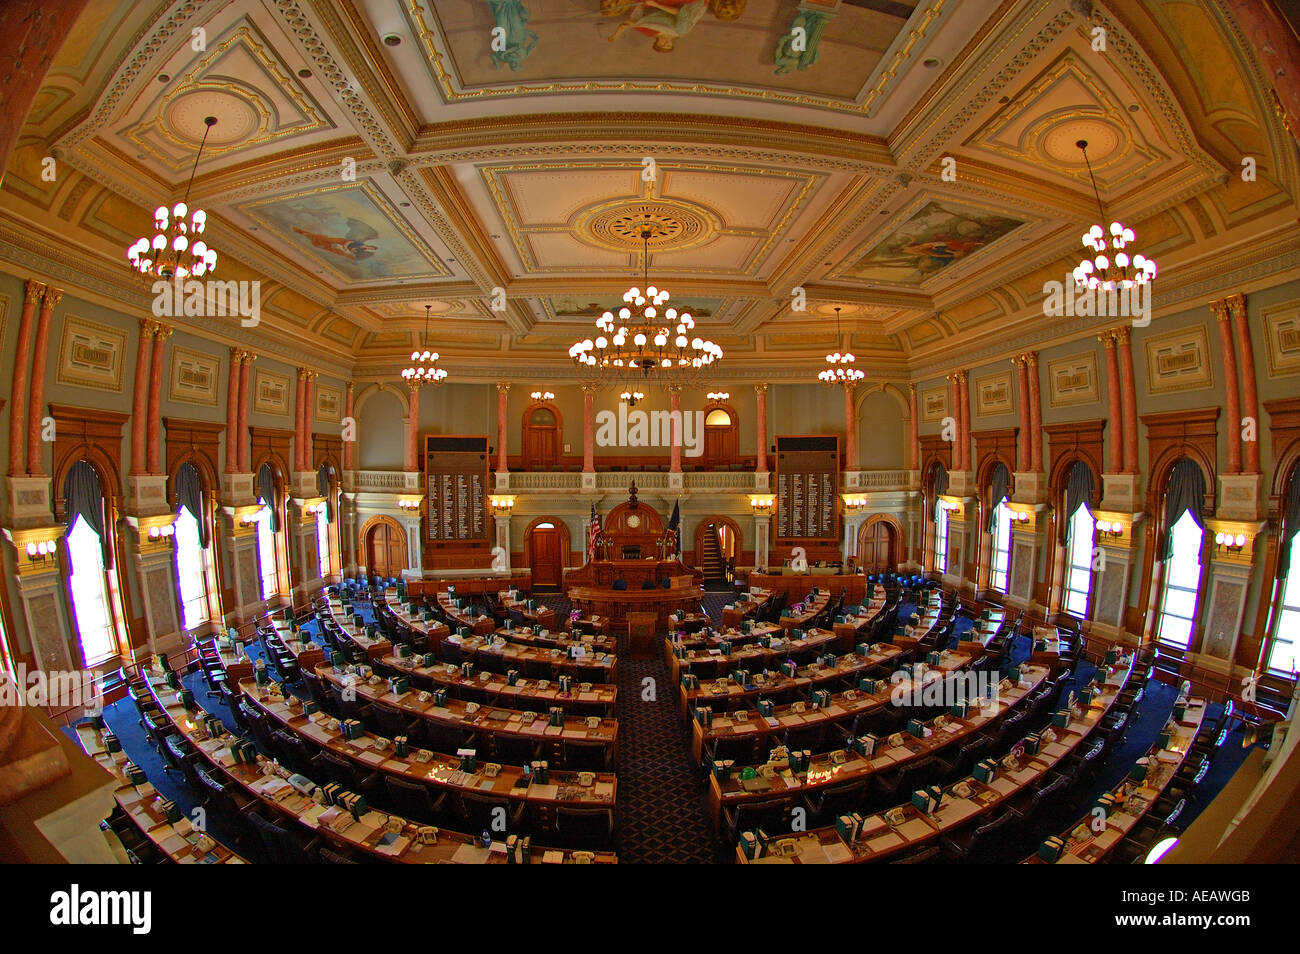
711,563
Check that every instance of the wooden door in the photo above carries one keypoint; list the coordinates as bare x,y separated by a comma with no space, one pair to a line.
386,550
544,557
876,554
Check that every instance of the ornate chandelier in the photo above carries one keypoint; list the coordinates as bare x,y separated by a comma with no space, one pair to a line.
640,343
173,253
841,370
422,369
1109,265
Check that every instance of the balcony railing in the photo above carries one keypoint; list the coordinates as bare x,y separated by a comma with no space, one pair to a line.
721,481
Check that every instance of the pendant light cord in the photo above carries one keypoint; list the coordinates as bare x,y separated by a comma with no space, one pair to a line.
209,122
1083,148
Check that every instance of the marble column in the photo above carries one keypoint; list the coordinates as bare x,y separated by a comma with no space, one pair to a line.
1232,403
913,431
299,403
954,399
963,381
1128,397
760,422
241,428
350,446
1114,405
588,428
36,414
308,420
1249,387
232,410
413,430
155,399
850,429
1022,415
675,415
33,293
1035,414
503,391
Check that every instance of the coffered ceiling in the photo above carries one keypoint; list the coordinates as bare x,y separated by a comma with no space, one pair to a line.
914,164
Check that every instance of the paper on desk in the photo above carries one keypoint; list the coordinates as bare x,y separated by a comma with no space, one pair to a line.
914,829
888,840
544,791
837,853
470,855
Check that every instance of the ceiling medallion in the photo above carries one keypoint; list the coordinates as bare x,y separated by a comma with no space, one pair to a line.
672,225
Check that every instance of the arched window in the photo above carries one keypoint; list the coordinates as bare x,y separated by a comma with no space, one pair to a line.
190,571
84,499
937,485
325,517
1078,562
1283,657
268,526
999,527
1078,529
718,417
941,538
1181,551
191,547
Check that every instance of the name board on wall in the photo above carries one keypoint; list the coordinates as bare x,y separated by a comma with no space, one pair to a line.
456,472
807,487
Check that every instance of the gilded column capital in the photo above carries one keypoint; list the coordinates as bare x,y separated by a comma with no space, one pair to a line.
1121,335
588,387
911,388
1107,338
1032,359
34,291
149,328
1236,305
52,297
161,331
351,386
1220,309
761,387
414,385
503,387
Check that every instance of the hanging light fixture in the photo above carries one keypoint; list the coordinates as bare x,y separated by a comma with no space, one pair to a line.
841,370
173,251
1109,263
422,369
641,344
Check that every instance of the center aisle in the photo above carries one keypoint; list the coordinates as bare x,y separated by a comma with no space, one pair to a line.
663,812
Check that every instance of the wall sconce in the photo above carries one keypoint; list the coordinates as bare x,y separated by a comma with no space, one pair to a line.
543,396
162,532
1110,528
38,551
762,505
1019,516
1226,541
409,503
501,505
631,397
253,516
718,396
947,505
854,503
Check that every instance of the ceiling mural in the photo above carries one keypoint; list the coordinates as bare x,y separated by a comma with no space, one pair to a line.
909,162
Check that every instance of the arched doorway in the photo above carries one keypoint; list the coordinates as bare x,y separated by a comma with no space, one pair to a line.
383,541
541,438
721,442
880,544
546,544
717,543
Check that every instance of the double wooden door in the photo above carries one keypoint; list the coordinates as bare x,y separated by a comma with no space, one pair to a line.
876,549
386,550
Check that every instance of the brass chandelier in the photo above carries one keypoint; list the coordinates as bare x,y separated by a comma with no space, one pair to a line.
423,368
174,251
640,344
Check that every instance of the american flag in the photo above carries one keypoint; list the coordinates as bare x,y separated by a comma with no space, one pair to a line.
593,533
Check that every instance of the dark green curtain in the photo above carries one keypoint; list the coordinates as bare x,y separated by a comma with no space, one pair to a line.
1290,524
83,497
190,495
1186,492
940,487
266,490
1000,486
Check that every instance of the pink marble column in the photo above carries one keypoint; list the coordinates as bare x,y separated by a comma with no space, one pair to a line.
35,446
413,430
1249,388
1128,397
18,403
1023,456
963,381
954,400
760,421
1035,415
503,391
299,400
675,415
1114,405
913,430
350,447
1232,402
850,429
232,410
155,399
588,429
245,391
308,422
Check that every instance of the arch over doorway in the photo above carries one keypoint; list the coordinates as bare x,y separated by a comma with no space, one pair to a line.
728,530
880,544
383,546
546,548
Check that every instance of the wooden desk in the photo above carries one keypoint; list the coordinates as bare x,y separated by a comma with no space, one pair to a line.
524,694
615,604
